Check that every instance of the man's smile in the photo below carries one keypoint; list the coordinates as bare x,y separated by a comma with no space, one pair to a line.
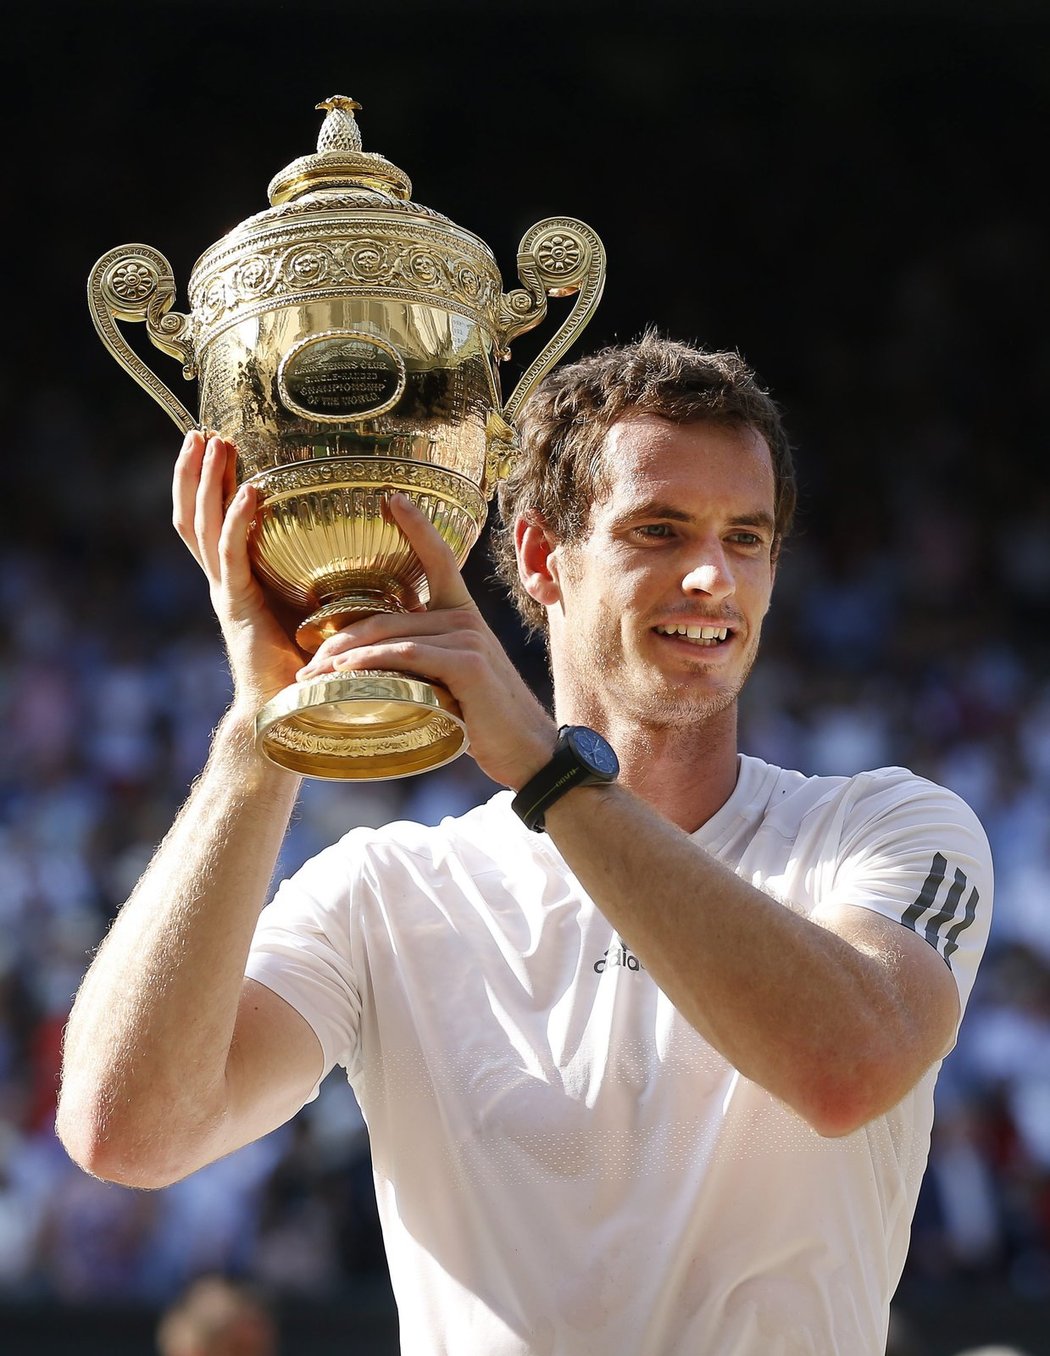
696,635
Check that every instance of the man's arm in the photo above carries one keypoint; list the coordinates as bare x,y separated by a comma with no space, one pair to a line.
170,1058
838,1017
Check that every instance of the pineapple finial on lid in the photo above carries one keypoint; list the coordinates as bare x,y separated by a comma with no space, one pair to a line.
339,163
339,131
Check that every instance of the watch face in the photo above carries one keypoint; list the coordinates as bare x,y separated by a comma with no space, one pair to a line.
595,752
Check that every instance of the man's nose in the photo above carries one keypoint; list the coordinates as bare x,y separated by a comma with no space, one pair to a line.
711,577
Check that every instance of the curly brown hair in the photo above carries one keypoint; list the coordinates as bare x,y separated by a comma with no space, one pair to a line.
561,469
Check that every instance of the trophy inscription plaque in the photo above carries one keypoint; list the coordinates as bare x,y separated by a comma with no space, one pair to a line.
347,340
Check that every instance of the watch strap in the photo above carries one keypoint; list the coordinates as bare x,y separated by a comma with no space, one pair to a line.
554,779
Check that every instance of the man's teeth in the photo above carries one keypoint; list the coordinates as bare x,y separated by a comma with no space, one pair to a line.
703,635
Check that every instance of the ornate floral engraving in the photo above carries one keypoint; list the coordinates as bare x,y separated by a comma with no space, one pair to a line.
409,263
298,740
133,280
558,254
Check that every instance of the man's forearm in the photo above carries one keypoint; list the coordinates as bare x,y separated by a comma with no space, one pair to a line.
148,1038
802,1011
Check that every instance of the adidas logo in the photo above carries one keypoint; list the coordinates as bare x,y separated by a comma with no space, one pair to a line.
617,955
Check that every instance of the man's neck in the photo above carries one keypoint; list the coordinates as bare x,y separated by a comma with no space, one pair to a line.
687,775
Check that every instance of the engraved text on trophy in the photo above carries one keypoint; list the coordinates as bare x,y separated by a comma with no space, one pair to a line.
341,375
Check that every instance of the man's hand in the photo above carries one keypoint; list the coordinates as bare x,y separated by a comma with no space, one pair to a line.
511,735
212,517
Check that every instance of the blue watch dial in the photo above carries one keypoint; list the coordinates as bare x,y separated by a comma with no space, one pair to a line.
595,752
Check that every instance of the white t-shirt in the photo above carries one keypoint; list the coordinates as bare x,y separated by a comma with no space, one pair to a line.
562,1164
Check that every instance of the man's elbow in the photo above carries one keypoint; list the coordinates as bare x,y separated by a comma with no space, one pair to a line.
101,1148
838,1105
835,1117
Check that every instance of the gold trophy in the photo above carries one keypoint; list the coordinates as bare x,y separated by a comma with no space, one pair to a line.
347,340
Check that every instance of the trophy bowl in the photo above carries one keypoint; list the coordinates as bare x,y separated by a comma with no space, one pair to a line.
347,340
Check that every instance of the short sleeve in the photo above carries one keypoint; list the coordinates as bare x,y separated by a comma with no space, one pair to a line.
916,852
301,951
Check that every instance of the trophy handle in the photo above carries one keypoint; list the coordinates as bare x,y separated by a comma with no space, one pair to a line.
558,257
135,282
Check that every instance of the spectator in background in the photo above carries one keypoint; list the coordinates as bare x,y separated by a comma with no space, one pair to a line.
217,1316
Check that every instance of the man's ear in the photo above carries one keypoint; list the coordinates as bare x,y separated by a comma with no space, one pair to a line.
537,561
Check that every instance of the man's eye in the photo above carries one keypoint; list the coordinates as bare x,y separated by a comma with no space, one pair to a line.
653,530
746,538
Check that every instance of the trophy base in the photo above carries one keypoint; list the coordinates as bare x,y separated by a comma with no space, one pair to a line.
362,726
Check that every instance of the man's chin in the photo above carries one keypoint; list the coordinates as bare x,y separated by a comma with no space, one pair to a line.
686,705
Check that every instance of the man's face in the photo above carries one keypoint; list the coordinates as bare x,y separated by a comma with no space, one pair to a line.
661,602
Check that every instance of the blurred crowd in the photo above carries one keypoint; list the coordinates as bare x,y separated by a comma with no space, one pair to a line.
911,625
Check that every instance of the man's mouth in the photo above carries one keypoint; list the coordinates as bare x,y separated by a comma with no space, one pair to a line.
697,635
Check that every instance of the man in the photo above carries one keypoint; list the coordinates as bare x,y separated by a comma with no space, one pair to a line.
647,1063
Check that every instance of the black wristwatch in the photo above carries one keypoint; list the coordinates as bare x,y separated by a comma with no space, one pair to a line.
582,758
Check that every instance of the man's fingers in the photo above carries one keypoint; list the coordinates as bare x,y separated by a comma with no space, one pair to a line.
229,475
441,658
208,515
447,589
380,629
184,486
232,548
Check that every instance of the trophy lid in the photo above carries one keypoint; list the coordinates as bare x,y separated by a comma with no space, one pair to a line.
339,161
342,201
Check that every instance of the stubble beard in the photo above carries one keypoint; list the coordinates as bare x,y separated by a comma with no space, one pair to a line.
660,705
684,708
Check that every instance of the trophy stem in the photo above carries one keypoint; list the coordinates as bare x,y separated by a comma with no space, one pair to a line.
361,726
352,605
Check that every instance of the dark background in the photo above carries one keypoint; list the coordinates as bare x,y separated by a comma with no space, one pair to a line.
852,196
